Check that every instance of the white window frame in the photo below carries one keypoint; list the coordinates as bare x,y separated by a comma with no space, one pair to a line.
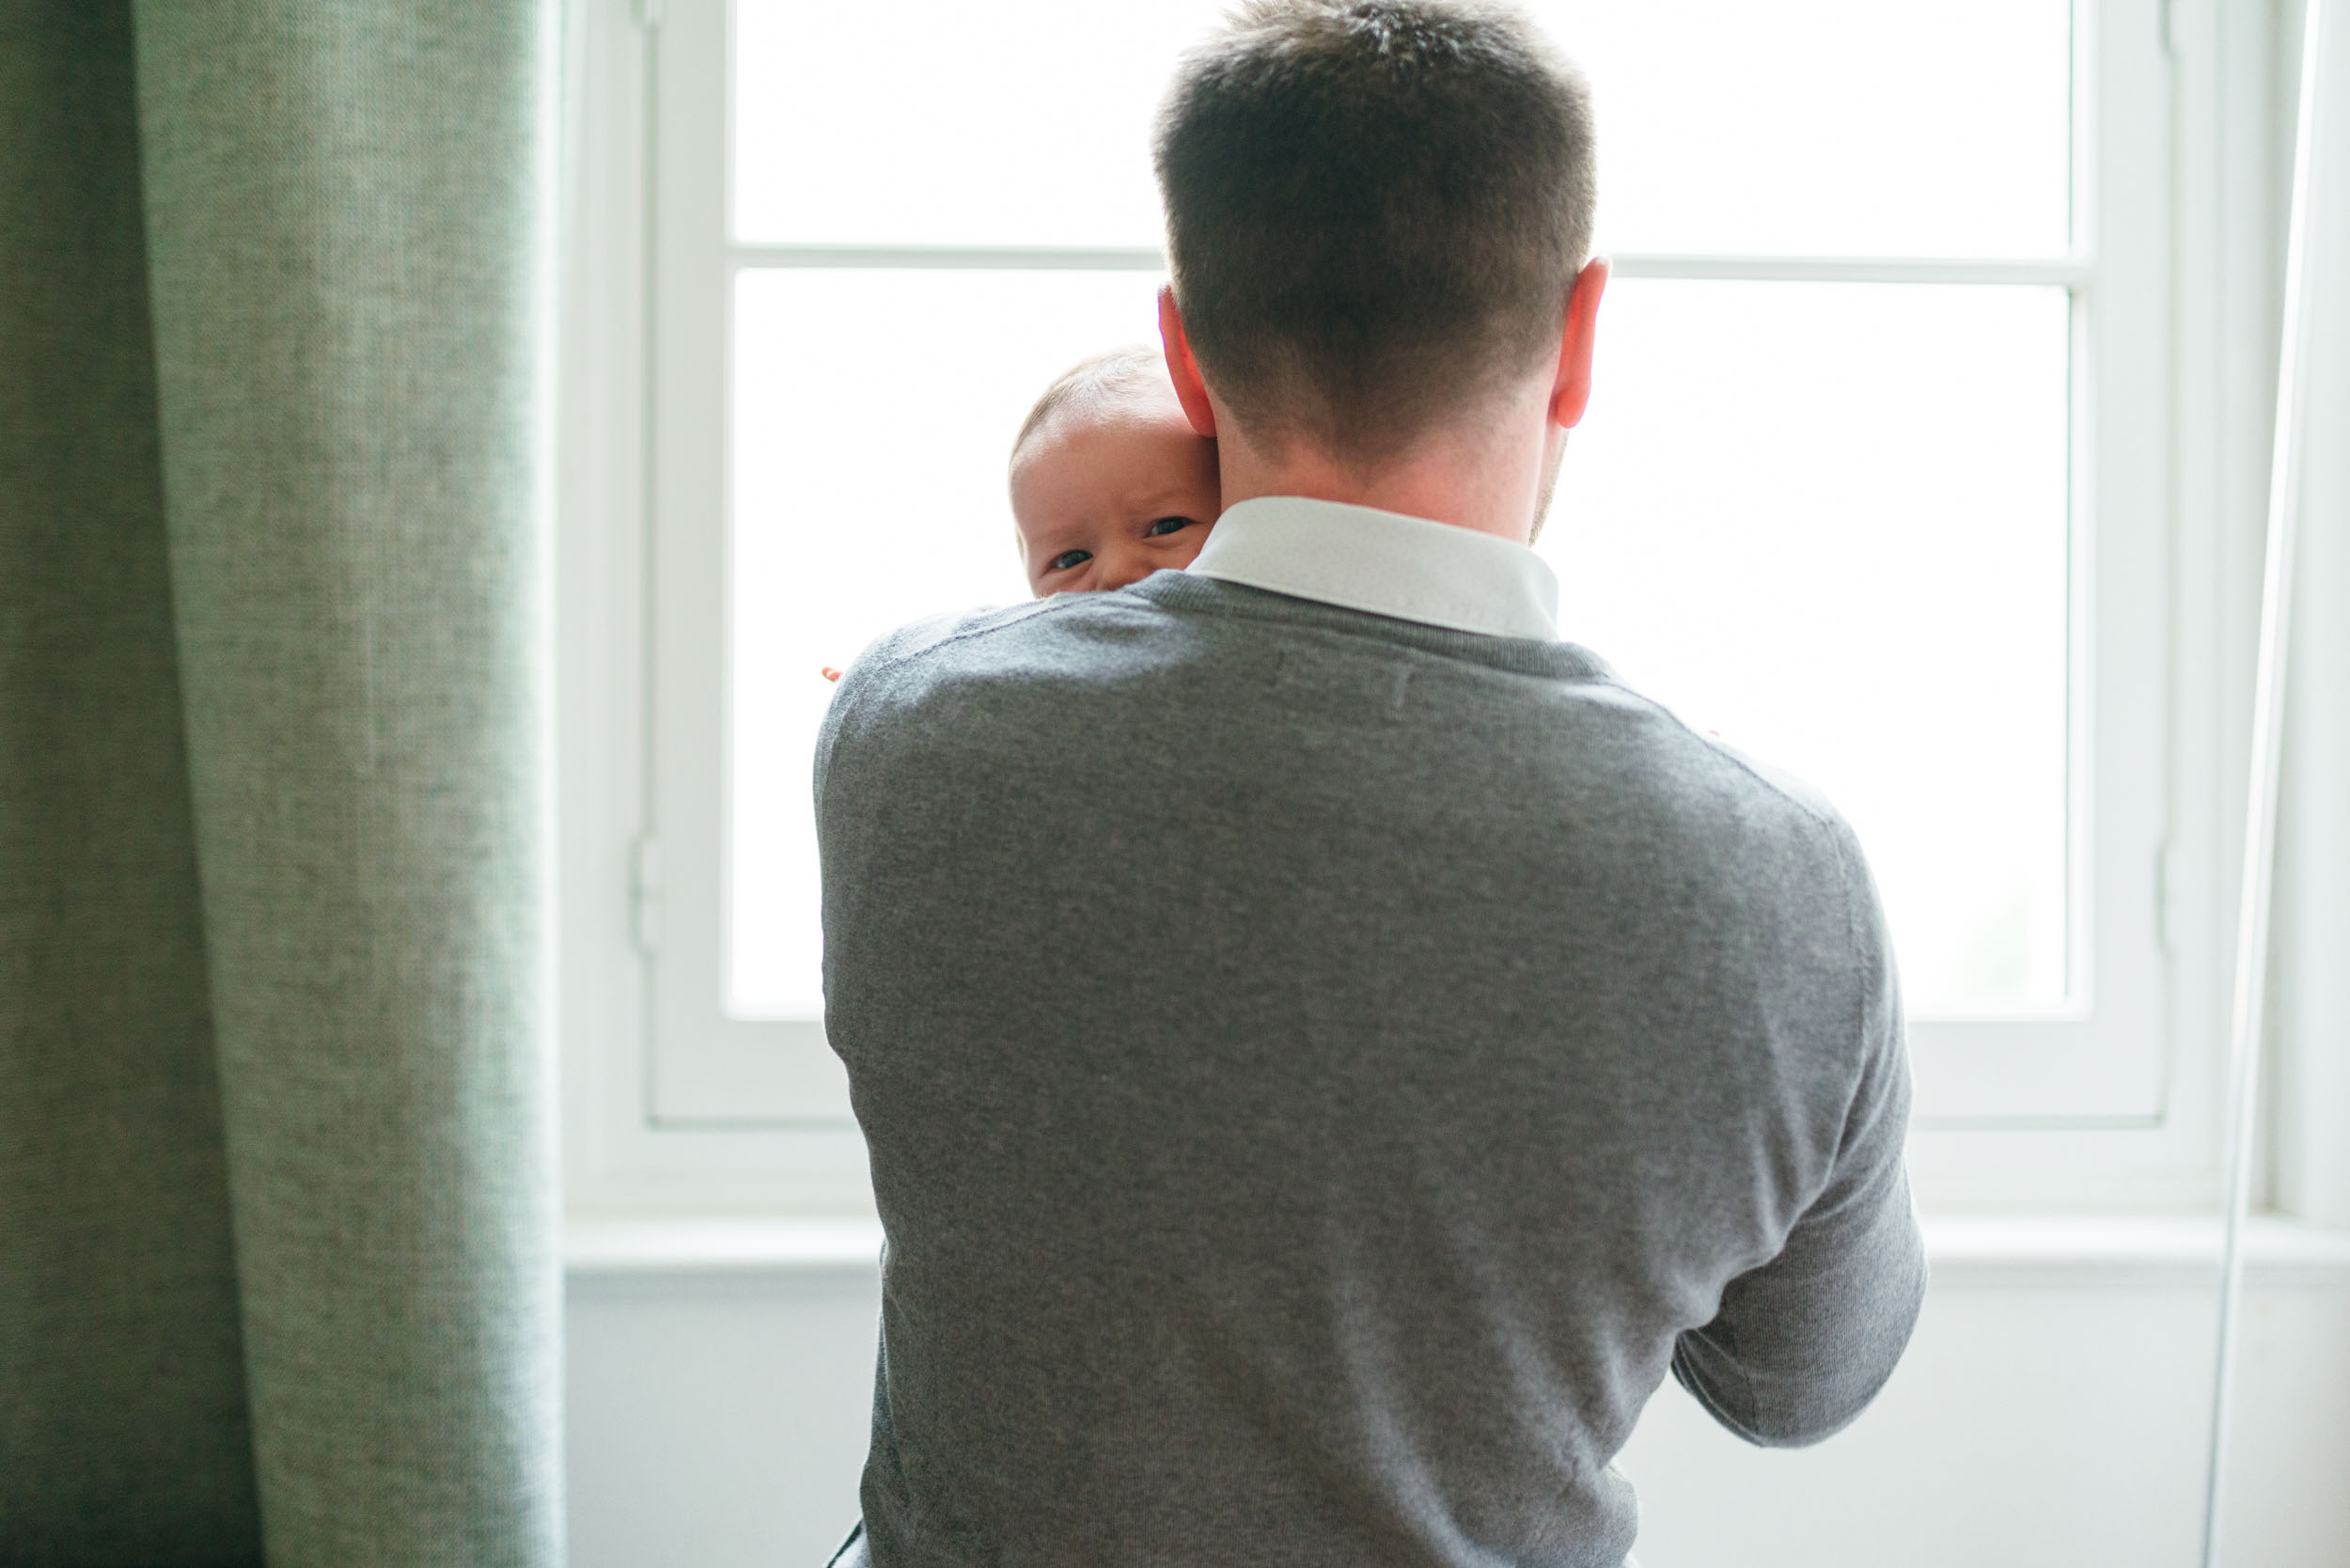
672,1107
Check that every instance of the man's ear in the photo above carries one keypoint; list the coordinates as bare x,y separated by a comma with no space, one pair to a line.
1570,390
1182,368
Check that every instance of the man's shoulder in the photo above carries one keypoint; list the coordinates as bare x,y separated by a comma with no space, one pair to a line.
993,637
933,678
1767,783
1749,816
1047,654
933,636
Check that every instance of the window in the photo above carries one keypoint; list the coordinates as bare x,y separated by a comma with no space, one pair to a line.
1875,481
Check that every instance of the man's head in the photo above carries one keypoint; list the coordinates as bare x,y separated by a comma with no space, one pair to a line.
1377,211
1108,482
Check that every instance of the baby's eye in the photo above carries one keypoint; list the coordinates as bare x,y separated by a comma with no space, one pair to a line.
1167,526
1068,558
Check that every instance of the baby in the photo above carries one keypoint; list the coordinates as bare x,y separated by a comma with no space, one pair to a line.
1110,483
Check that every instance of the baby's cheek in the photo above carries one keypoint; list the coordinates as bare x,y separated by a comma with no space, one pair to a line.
1188,550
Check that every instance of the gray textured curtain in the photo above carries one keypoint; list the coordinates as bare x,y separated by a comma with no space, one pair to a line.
277,1208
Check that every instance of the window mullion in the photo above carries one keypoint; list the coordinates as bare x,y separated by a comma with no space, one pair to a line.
2065,271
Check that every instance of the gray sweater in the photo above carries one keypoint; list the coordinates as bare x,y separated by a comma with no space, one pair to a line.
1321,1071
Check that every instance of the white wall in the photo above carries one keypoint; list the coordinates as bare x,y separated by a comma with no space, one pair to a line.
717,1422
2049,1415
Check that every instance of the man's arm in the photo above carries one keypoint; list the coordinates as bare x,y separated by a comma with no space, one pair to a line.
1802,1343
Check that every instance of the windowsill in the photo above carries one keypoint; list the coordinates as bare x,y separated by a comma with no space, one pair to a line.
2153,1248
603,1258
717,1249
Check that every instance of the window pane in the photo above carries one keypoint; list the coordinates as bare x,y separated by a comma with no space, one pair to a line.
1814,127
874,418
944,122
1829,522
1828,127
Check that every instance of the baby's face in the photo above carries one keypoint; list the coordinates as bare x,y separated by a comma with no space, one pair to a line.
1107,494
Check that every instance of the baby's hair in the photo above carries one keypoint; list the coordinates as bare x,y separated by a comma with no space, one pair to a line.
1099,378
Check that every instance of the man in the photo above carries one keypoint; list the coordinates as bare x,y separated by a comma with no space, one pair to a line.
1327,1047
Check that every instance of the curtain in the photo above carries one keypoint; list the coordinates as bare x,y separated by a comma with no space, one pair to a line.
278,1278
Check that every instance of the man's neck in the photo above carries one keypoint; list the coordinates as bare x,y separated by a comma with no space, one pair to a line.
1493,485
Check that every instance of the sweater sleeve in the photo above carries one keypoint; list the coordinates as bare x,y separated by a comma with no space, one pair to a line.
1802,1343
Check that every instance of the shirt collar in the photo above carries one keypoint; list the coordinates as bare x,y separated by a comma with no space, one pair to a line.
1361,558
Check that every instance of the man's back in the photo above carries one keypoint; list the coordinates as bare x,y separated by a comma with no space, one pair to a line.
1322,1070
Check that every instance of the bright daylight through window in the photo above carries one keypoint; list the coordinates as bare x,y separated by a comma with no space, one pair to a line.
1822,504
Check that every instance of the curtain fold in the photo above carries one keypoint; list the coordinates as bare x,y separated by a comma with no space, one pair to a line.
123,1433
271,797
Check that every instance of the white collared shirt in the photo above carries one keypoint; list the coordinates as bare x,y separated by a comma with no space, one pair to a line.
1362,559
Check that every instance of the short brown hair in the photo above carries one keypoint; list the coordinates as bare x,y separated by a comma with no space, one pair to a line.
1375,210
1096,378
